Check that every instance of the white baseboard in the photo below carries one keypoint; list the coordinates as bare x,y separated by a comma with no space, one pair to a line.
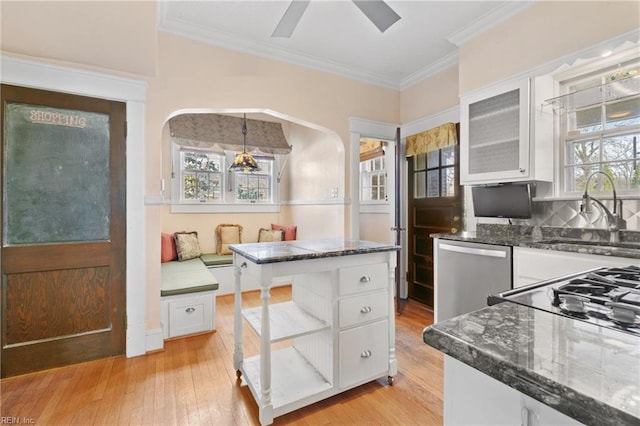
155,340
135,340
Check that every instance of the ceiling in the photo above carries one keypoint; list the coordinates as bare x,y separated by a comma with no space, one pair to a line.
336,37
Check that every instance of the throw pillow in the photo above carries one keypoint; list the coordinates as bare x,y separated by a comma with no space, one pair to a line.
227,234
289,231
269,236
187,245
168,251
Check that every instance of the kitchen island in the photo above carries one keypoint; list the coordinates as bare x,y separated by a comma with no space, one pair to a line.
338,330
580,373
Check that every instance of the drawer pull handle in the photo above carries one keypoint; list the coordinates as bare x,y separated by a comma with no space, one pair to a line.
365,309
190,309
366,354
365,279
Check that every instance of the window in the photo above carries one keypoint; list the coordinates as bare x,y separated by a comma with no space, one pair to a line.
600,128
255,187
373,180
203,183
201,176
434,173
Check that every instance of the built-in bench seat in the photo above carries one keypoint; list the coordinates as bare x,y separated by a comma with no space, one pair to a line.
188,298
213,260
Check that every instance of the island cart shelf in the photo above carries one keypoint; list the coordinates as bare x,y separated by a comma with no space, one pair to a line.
337,332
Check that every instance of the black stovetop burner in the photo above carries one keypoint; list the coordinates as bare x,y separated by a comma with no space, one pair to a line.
607,296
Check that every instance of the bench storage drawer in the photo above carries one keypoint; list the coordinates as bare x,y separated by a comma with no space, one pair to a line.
188,314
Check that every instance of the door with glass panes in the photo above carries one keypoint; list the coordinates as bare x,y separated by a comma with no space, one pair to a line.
435,206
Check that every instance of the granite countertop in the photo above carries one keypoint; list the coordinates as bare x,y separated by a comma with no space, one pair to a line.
285,251
558,239
589,373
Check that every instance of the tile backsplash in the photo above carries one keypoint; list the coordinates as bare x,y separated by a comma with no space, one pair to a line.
566,213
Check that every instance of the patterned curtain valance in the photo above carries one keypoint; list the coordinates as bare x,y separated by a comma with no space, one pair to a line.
223,132
371,148
432,140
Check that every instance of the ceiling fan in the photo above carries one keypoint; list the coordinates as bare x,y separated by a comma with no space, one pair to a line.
377,11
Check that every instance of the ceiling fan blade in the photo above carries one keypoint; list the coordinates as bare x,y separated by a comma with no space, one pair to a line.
290,18
379,13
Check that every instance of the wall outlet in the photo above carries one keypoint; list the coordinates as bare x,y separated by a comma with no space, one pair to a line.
334,192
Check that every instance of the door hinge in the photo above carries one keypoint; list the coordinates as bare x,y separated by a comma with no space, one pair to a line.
126,130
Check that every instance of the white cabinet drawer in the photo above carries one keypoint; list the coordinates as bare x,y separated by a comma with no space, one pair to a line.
361,309
364,353
358,279
188,315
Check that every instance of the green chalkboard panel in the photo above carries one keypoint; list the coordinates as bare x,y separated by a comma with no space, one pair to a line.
56,177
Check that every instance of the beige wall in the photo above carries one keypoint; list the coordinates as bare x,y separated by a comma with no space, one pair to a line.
113,35
432,95
546,31
376,227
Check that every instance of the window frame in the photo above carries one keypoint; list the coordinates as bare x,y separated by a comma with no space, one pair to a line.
597,69
422,172
366,180
269,175
228,202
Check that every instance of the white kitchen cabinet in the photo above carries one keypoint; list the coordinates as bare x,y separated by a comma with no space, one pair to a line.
497,140
533,265
337,332
473,398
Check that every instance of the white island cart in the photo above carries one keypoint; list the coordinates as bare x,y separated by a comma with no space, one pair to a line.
339,326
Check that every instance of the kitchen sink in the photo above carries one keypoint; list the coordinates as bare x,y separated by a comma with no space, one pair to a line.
602,244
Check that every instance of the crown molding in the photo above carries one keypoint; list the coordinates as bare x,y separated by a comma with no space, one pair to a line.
228,41
436,67
225,40
489,20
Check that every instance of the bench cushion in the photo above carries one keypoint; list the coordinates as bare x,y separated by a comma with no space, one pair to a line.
212,259
189,276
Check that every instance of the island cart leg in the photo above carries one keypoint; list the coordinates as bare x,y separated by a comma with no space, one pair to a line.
393,362
237,317
266,406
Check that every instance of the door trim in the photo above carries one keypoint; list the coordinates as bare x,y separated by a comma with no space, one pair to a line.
40,75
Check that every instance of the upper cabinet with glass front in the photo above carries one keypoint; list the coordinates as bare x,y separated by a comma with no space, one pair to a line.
494,132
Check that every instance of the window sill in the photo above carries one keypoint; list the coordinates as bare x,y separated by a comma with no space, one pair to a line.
225,208
378,208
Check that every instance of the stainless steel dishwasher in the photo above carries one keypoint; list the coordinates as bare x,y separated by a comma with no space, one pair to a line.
466,273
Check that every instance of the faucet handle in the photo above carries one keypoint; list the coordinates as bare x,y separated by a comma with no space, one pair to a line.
585,206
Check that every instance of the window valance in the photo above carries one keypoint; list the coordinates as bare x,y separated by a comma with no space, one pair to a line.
222,132
371,148
432,140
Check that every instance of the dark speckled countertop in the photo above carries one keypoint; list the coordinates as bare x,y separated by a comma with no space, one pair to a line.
585,241
286,251
589,373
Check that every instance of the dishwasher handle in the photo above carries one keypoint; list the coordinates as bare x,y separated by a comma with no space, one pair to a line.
471,250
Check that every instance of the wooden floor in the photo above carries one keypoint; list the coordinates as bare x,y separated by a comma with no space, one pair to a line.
192,382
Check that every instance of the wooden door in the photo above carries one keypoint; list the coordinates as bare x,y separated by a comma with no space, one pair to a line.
435,206
63,229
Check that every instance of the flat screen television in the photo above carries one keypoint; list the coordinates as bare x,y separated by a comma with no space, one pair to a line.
509,200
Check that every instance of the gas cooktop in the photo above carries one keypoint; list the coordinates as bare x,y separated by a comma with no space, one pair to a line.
606,296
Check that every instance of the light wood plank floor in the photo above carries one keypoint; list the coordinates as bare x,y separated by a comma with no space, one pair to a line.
192,382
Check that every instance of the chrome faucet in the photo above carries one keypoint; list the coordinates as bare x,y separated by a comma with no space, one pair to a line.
615,221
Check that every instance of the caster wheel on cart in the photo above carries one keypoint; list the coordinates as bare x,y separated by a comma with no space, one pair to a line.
390,380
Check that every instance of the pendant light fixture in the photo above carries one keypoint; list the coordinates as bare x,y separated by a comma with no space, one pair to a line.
244,161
